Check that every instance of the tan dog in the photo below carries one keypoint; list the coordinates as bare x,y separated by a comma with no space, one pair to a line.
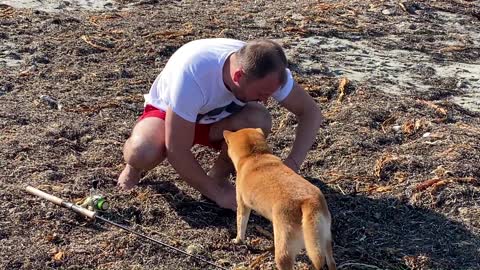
297,208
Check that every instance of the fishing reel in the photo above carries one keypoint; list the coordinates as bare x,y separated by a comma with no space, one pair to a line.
94,203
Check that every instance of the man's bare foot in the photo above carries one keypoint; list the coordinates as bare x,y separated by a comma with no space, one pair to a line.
128,178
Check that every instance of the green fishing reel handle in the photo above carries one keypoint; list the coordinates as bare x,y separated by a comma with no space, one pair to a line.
100,203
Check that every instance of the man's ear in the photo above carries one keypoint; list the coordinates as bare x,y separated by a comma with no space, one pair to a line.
260,131
237,75
226,134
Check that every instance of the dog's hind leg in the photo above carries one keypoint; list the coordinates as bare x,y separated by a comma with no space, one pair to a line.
288,243
243,214
317,235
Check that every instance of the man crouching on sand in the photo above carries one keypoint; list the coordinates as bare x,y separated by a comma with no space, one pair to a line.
206,87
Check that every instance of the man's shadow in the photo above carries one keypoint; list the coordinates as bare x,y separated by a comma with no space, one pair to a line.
198,213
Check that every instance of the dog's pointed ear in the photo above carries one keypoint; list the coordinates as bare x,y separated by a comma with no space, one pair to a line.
226,133
260,131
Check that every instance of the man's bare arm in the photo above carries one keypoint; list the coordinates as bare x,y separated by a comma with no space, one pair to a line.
309,119
179,137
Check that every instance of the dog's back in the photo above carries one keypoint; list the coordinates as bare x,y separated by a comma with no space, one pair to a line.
265,181
297,208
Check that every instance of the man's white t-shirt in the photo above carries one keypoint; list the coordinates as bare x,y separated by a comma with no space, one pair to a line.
191,82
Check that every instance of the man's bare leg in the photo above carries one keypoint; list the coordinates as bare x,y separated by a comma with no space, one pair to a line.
254,115
144,150
223,167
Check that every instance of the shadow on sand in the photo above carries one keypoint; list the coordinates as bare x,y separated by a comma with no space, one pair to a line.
382,232
387,232
200,213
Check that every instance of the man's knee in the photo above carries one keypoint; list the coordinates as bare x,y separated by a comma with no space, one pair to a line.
143,154
258,116
253,115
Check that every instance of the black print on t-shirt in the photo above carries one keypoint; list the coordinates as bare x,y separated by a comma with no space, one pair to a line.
230,108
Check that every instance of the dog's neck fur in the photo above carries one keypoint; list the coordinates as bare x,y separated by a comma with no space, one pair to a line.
249,149
260,147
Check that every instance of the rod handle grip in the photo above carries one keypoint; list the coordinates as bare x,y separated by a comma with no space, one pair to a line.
75,208
80,210
43,195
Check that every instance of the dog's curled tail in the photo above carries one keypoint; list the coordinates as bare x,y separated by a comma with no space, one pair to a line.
316,222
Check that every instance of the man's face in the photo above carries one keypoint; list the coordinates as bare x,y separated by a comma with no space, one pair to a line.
258,89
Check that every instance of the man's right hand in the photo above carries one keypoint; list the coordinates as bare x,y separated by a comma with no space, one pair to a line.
225,195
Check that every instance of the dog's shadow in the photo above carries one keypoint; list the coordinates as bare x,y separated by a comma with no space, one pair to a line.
369,230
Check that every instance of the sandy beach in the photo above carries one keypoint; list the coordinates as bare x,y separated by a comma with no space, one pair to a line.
398,157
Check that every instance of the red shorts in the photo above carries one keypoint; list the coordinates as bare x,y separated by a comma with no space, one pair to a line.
201,130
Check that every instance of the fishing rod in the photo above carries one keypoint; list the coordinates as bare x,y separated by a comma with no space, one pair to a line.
94,216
